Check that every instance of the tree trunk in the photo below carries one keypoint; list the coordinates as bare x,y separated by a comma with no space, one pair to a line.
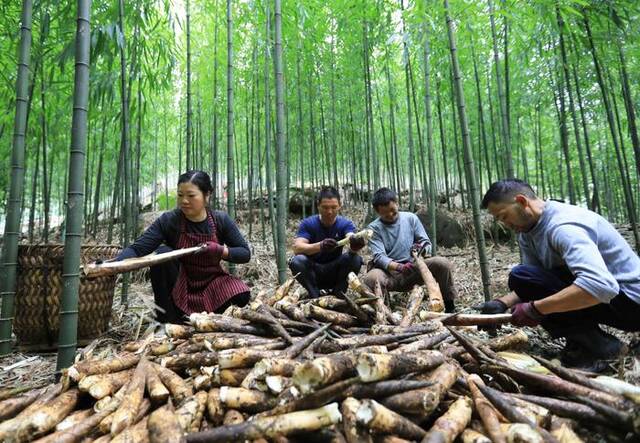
572,109
13,215
126,163
409,122
504,120
189,110
73,238
443,145
281,160
433,203
267,122
231,187
614,136
474,196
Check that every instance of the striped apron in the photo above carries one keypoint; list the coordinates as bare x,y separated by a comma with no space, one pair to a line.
202,285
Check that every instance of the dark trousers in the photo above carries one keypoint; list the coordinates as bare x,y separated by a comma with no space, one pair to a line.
329,276
534,283
163,278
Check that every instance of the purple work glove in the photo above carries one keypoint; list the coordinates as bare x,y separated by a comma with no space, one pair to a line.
328,245
356,243
525,314
405,268
215,251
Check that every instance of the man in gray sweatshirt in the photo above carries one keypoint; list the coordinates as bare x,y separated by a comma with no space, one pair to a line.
577,272
395,236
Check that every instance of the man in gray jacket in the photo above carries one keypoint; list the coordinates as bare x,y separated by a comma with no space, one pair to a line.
396,235
577,272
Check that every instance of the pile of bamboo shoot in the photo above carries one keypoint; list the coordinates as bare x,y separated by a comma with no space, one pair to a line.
335,369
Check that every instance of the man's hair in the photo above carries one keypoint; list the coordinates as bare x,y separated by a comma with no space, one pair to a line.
504,191
328,192
384,196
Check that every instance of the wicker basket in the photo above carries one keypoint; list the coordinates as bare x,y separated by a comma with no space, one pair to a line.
39,293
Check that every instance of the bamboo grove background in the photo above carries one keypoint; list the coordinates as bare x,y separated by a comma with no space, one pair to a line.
550,88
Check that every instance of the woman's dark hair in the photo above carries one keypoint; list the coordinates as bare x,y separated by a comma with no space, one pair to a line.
384,196
199,178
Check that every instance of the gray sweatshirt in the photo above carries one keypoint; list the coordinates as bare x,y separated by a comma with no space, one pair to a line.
392,242
601,260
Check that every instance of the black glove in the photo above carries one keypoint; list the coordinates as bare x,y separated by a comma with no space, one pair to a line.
492,307
328,244
419,249
356,243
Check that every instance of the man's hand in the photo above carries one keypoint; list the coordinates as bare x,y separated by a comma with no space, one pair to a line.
328,245
215,250
419,249
405,268
525,314
492,307
356,243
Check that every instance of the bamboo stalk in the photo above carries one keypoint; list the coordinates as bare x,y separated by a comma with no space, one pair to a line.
374,367
215,409
448,426
132,264
467,319
269,427
352,432
413,305
164,426
245,399
102,385
365,234
502,404
158,392
333,317
177,386
424,401
485,410
47,416
435,302
91,367
384,421
125,414
208,322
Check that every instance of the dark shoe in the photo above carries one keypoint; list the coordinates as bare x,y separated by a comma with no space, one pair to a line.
449,306
589,350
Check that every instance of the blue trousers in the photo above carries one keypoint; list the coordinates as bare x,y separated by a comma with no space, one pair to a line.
534,283
331,276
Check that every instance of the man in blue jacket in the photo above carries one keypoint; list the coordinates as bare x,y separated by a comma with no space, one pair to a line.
577,272
319,262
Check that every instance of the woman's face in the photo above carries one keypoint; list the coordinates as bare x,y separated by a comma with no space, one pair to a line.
191,200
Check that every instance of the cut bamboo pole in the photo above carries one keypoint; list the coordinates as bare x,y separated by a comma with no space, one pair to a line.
164,426
485,410
269,427
447,427
132,264
384,421
365,234
125,414
352,432
47,416
374,367
435,302
92,367
467,319
413,305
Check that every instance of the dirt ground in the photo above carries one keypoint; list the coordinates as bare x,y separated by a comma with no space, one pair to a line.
22,369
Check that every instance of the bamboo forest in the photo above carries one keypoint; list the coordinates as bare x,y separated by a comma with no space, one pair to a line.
340,221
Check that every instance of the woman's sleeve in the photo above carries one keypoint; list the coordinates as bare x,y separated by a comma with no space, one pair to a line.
230,235
150,239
